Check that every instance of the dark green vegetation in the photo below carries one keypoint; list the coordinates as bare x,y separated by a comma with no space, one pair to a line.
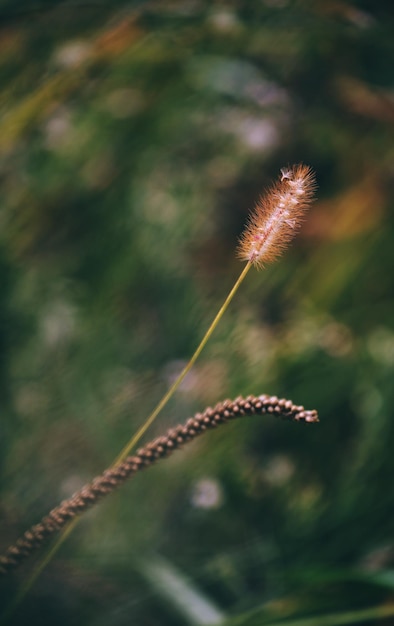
134,138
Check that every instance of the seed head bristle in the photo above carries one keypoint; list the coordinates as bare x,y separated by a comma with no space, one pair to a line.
277,215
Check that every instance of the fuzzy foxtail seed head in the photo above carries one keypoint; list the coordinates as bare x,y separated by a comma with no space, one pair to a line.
277,215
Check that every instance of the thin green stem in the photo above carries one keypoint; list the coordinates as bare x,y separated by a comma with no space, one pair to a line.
141,431
133,441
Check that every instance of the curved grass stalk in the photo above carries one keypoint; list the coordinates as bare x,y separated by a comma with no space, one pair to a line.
66,514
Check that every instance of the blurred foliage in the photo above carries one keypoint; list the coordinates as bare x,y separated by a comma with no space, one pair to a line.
134,138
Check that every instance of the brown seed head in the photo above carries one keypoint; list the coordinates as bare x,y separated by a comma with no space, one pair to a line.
277,215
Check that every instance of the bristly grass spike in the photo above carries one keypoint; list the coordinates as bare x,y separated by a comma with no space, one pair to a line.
277,216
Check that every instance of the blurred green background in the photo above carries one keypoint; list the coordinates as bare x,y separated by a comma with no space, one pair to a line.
134,139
